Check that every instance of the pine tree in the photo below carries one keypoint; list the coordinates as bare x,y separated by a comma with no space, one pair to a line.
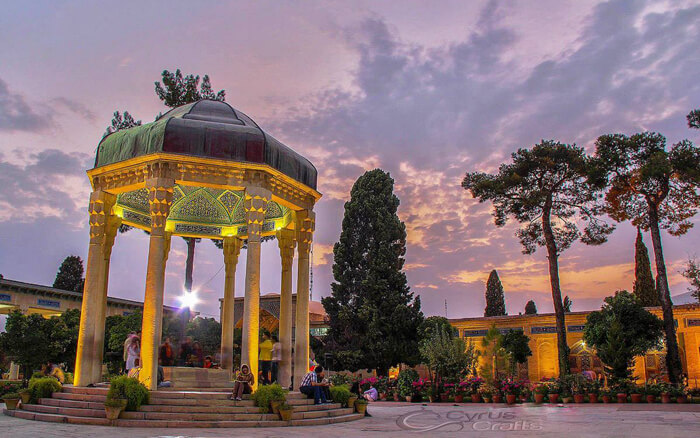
567,304
495,300
70,274
644,287
373,316
530,308
120,122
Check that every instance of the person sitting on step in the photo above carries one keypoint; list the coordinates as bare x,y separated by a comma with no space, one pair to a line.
313,385
244,383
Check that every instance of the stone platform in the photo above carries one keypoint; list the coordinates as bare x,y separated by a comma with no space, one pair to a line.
190,377
183,408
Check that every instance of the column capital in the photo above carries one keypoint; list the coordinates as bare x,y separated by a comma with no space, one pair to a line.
232,248
305,221
286,240
111,230
100,210
160,197
255,204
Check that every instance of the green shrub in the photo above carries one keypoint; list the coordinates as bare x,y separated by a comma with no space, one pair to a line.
115,403
11,396
267,393
43,387
341,379
340,394
130,389
405,381
9,387
68,378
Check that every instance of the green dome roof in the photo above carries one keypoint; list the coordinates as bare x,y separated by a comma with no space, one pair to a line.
210,129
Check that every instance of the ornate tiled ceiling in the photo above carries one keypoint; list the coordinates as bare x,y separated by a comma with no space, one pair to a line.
199,211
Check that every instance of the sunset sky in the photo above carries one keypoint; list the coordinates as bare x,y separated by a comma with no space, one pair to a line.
424,90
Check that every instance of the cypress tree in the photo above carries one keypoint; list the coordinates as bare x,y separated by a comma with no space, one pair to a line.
644,287
70,274
495,300
567,304
530,308
373,316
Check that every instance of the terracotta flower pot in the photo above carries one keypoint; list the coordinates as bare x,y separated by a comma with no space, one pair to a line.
286,414
636,398
665,398
487,399
112,412
567,400
361,408
553,398
25,396
409,398
459,398
651,398
396,396
681,399
510,399
578,398
382,396
607,399
476,398
351,401
444,397
621,397
498,398
11,403
539,398
592,398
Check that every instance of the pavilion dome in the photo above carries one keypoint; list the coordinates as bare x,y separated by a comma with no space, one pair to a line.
209,129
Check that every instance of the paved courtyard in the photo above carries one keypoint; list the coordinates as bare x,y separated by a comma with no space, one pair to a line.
434,420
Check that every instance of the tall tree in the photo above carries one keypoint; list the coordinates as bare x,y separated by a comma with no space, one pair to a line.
567,304
175,91
373,316
694,119
517,346
644,287
530,308
655,189
70,274
120,122
549,189
621,330
495,299
692,274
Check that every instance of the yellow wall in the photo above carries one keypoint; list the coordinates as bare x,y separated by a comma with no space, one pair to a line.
543,362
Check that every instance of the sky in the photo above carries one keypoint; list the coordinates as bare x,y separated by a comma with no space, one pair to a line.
424,90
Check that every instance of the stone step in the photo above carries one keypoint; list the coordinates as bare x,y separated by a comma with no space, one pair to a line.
58,418
228,409
218,402
75,412
71,403
79,397
81,390
176,416
209,395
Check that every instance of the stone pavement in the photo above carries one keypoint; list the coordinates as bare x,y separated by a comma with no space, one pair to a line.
439,420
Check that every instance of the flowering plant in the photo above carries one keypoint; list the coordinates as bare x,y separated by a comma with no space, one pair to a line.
510,386
463,388
420,385
449,388
473,384
366,383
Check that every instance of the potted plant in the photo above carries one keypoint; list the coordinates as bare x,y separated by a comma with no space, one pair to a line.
351,401
474,384
419,388
275,404
566,396
285,410
679,394
636,393
554,388
382,386
621,389
25,394
665,389
651,391
114,407
405,381
460,390
592,388
511,389
361,406
447,392
486,393
540,393
607,395
11,399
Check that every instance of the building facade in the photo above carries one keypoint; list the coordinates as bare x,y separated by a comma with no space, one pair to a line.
541,329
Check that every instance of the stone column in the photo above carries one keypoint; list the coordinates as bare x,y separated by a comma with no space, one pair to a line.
99,210
305,228
255,203
111,229
160,196
232,247
287,242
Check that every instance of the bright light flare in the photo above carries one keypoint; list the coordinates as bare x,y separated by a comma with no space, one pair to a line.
188,299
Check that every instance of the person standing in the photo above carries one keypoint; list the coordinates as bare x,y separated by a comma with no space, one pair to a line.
133,352
276,359
265,358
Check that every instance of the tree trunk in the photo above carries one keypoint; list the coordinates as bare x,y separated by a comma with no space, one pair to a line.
673,361
553,257
189,266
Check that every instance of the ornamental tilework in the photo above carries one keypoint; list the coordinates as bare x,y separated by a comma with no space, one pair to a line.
200,207
197,229
230,199
136,200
